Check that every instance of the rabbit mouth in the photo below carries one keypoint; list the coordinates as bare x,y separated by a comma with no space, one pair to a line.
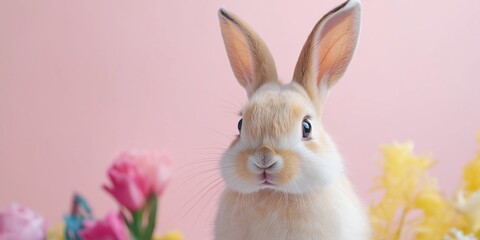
267,183
266,179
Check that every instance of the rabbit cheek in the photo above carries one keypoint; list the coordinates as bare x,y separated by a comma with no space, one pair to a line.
314,146
241,166
290,168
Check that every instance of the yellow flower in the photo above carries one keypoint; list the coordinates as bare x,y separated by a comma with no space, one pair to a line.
429,199
408,191
471,173
171,235
412,206
468,197
57,232
471,209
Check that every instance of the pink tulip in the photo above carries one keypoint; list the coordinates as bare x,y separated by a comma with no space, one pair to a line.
17,223
136,176
111,227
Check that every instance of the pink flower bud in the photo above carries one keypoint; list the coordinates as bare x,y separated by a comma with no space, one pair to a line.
136,176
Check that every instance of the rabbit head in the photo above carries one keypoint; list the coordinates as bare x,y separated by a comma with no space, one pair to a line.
281,143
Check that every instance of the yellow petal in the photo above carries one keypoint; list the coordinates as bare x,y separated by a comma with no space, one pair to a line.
471,173
430,202
171,235
57,232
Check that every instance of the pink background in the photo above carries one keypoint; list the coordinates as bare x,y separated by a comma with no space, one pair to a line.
82,80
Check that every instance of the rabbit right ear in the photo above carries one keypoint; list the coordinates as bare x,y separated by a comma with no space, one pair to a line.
329,49
249,57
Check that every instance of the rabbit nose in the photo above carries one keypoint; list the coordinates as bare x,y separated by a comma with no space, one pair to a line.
265,158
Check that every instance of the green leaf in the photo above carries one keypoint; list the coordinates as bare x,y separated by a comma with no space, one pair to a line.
152,216
136,229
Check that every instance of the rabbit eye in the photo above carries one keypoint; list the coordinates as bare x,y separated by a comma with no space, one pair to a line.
239,125
307,128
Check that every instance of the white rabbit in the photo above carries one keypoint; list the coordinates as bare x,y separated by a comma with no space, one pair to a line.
284,177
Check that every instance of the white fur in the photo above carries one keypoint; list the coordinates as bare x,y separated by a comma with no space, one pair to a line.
335,214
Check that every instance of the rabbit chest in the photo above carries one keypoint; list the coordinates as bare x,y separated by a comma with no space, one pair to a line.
332,212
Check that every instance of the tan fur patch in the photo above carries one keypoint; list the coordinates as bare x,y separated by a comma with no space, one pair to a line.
291,166
241,166
274,116
320,143
314,146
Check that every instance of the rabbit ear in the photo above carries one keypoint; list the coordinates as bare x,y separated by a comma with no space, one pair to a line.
329,49
249,57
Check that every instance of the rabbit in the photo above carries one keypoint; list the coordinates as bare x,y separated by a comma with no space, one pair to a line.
283,174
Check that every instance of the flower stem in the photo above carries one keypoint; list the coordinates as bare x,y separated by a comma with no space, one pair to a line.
152,216
401,223
137,224
149,212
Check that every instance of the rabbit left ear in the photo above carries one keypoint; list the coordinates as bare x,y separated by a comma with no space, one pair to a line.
249,57
329,49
